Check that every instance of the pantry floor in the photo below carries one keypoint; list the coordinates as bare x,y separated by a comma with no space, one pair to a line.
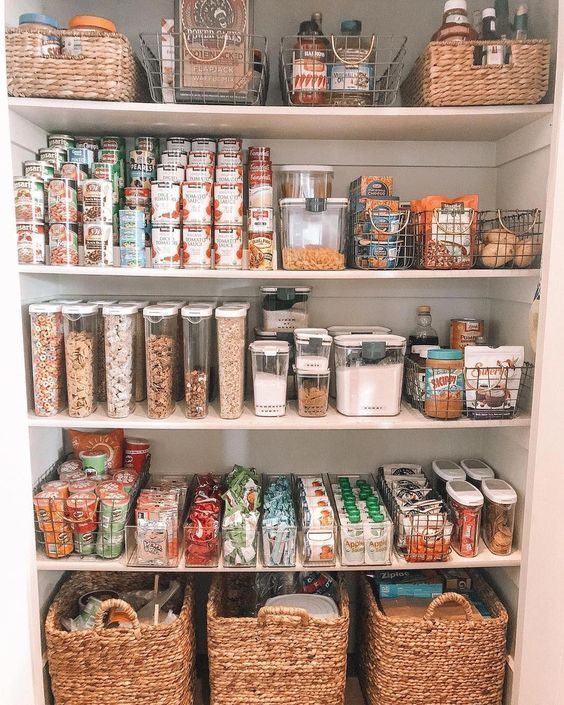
353,694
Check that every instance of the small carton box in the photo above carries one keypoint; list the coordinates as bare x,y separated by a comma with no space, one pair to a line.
372,187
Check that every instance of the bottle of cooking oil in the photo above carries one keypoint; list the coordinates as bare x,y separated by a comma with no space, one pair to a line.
351,79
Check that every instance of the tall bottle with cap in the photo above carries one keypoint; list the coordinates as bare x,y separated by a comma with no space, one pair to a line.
456,26
492,54
424,333
351,76
309,66
503,25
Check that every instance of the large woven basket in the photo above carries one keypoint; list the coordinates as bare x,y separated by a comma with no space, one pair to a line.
147,665
107,69
430,661
445,75
281,657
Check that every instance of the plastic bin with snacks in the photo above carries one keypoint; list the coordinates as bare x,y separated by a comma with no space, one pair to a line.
240,528
316,521
202,527
279,526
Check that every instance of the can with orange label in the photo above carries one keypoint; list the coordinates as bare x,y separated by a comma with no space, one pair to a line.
465,331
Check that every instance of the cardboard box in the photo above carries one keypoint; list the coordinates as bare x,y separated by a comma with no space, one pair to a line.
456,580
372,187
415,608
417,584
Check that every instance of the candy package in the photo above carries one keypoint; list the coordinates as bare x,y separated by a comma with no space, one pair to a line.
201,529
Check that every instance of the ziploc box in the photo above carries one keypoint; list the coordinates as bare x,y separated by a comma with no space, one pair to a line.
413,583
372,187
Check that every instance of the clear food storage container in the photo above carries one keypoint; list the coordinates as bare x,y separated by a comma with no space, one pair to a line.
465,503
231,331
334,331
286,337
119,336
101,347
312,392
213,384
140,371
313,351
179,350
445,471
313,233
270,373
80,327
161,327
284,308
305,181
279,526
476,471
202,526
369,371
47,358
317,524
197,322
499,516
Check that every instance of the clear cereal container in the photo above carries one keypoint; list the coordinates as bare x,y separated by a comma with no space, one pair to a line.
80,328
47,358
499,516
465,504
305,181
313,233
119,337
197,322
101,347
476,471
270,373
139,357
231,331
161,327
284,308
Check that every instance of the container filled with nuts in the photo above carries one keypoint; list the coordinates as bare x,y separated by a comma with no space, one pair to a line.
80,324
499,516
161,326
197,324
119,336
231,331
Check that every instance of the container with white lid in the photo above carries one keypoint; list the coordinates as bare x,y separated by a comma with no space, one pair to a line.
369,371
212,386
178,361
80,329
499,516
64,301
310,331
465,503
270,371
477,471
47,358
161,336
119,343
312,351
445,471
231,334
284,308
305,181
197,324
139,358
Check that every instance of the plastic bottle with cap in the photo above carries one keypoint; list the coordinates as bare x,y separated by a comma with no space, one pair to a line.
492,54
424,333
456,27
351,76
44,24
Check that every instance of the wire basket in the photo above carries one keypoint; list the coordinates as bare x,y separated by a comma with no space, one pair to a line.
380,240
446,238
509,239
340,70
217,72
483,392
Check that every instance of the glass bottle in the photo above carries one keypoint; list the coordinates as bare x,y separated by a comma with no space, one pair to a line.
309,66
492,54
351,78
424,333
317,17
456,26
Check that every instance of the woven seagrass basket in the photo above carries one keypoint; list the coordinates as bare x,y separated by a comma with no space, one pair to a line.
107,68
429,661
445,75
281,657
146,665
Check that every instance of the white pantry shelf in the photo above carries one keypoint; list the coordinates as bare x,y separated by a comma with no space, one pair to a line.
485,559
408,418
279,274
480,124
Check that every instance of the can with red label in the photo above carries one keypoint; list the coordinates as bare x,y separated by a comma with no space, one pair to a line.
31,242
260,186
29,198
62,201
259,154
228,247
228,204
229,144
166,246
261,220
76,172
199,174
63,244
229,175
165,203
229,159
261,250
197,203
54,156
201,158
196,246
43,170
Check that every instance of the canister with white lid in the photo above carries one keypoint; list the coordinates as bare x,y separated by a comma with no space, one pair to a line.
499,516
179,360
212,386
140,378
445,471
312,351
161,336
270,371
101,347
465,504
306,181
47,358
284,308
476,471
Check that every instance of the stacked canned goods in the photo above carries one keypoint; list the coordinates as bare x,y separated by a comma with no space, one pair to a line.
261,213
197,204
166,210
228,205
29,198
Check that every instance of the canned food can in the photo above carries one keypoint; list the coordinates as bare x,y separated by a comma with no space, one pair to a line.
170,172
137,452
465,331
63,244
76,172
142,158
259,154
197,203
54,156
165,203
115,157
229,159
174,156
261,250
199,174
196,246
108,171
64,141
201,158
229,144
62,201
29,198
260,188
148,144
228,247
113,143
228,204
166,246
229,175
81,155
204,144
39,169
261,220
31,242
137,196
132,238
98,245
181,143
141,176
92,143
97,201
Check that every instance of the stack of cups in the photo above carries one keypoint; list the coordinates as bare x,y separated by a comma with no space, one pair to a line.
197,204
261,213
228,205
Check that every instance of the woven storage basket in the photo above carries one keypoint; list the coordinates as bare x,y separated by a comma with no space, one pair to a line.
431,661
446,75
106,70
148,665
281,657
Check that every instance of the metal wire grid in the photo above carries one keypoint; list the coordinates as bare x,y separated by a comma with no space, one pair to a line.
509,239
219,73
340,70
380,240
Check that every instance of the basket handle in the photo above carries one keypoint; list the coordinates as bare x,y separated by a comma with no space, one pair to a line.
405,215
122,605
449,597
348,62
445,230
204,61
536,212
282,614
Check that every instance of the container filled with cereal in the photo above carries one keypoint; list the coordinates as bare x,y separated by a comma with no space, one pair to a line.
313,233
197,324
231,332
80,324
101,347
499,516
47,358
161,328
119,336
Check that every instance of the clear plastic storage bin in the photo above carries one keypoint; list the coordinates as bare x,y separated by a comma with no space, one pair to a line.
369,371
499,516
284,308
305,181
119,337
197,322
179,349
161,327
313,233
279,526
312,393
465,504
140,371
101,347
80,326
270,372
286,337
231,331
47,358
313,351
317,523
476,471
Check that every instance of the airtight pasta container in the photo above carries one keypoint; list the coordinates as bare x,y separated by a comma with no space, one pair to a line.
231,332
119,338
499,516
284,308
476,471
445,471
197,322
369,371
313,233
161,335
465,504
305,181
